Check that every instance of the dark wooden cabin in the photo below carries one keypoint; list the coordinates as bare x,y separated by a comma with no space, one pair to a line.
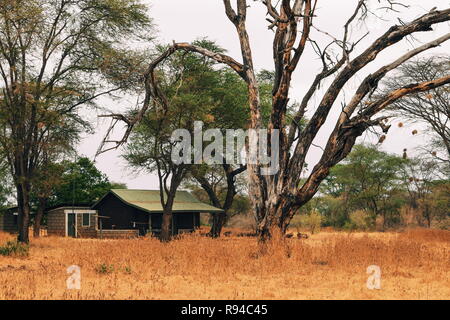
9,220
126,209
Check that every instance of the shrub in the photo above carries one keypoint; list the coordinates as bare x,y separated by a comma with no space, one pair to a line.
104,268
360,220
14,248
312,221
443,224
127,269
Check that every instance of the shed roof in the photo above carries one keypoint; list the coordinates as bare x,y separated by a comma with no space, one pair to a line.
70,206
149,200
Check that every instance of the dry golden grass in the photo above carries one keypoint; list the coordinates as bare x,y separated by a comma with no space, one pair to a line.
330,265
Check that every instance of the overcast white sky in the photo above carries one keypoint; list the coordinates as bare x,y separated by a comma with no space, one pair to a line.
182,20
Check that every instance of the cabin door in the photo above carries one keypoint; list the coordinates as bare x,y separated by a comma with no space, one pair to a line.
71,224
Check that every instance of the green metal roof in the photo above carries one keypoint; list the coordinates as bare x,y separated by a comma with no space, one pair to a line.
149,200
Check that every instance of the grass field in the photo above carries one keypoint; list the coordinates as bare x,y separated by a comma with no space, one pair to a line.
331,265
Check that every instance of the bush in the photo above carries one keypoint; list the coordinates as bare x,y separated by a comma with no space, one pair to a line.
14,248
360,220
312,221
105,268
443,224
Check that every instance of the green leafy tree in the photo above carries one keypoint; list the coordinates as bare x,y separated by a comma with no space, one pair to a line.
6,188
184,82
427,189
58,139
80,183
220,182
150,147
57,56
370,180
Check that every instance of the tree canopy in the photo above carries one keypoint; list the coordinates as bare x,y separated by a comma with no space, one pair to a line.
56,58
81,183
368,179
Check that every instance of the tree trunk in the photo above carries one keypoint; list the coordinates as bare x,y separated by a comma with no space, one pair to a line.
219,220
38,218
427,216
166,230
23,203
276,219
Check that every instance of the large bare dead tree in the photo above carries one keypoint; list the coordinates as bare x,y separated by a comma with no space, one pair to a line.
276,198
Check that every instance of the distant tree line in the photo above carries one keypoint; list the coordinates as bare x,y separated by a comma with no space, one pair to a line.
374,190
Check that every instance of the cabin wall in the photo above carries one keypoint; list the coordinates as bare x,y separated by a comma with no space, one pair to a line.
8,222
117,234
56,223
197,219
87,231
121,216
182,221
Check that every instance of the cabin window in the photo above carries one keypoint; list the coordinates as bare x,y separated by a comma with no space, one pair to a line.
15,217
86,220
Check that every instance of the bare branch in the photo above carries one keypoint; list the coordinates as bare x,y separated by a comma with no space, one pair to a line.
370,83
391,37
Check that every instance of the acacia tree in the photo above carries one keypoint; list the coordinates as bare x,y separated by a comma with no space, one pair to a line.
59,135
194,88
151,150
151,143
215,181
431,108
229,96
370,180
424,180
55,57
276,198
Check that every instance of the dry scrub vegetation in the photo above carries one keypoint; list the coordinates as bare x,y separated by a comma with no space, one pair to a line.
330,265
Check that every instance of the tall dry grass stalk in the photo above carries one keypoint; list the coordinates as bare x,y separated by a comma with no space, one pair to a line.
329,265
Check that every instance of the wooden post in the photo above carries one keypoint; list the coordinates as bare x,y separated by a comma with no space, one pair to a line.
150,222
